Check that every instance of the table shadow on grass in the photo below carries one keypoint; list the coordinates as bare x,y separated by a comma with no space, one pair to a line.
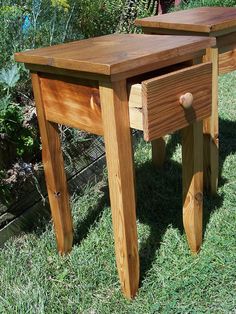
81,229
160,194
159,205
227,144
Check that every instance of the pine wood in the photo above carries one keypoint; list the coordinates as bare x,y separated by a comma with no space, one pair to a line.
158,152
54,173
226,42
162,112
135,106
192,176
165,31
227,61
121,182
159,145
210,20
211,130
65,99
115,54
68,102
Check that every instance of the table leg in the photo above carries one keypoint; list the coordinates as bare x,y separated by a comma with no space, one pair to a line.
119,156
54,174
158,152
211,130
192,161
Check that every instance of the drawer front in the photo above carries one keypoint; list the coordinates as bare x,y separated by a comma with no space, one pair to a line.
162,112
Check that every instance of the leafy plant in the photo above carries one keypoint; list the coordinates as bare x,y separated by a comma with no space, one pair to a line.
9,78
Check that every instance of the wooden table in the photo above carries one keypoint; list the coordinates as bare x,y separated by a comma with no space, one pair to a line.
106,86
216,22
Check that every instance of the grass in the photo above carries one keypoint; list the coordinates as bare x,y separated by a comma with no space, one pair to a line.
34,279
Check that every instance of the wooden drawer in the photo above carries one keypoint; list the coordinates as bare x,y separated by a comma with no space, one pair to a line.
162,112
153,104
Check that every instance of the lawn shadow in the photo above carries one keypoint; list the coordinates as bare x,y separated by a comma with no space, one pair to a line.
159,202
227,135
227,144
159,205
82,228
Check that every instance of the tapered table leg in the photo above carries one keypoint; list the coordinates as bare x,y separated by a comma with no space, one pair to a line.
158,152
119,156
192,163
211,131
54,173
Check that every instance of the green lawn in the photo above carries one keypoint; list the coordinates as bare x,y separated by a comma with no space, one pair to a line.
34,279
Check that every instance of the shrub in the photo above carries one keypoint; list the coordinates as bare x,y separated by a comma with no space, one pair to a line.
207,3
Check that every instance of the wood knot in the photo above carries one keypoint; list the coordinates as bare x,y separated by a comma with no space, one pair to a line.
199,197
57,194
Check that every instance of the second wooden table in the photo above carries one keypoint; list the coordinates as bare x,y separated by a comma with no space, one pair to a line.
219,22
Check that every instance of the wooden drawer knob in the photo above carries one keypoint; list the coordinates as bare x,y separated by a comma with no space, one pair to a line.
186,100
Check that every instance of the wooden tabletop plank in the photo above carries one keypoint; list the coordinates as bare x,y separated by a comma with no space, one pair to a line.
113,54
205,20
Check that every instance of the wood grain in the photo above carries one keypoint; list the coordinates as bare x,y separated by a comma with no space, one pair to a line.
211,20
227,61
159,145
121,182
162,112
115,54
211,130
68,102
152,30
54,173
135,106
192,173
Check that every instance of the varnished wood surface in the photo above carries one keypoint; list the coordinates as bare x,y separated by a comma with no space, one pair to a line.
158,152
69,102
114,54
146,70
211,130
76,103
162,112
119,156
192,160
73,102
54,173
227,61
226,42
206,20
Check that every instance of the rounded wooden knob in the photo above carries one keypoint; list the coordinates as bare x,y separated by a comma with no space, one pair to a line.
186,100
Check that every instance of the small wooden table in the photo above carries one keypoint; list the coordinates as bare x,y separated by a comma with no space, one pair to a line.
106,86
216,22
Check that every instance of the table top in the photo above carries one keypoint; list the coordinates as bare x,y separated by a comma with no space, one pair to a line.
203,20
117,53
